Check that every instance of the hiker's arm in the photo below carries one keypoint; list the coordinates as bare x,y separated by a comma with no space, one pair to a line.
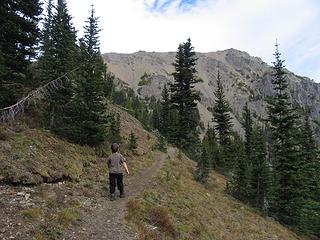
126,167
108,162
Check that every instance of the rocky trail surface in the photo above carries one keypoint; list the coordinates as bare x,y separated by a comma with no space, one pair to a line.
107,221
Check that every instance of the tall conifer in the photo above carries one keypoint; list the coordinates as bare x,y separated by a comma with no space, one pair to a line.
261,175
183,96
63,57
88,122
223,125
309,220
210,144
46,72
248,125
203,167
19,37
287,164
240,182
164,113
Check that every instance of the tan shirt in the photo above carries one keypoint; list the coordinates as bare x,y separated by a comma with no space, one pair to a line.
115,163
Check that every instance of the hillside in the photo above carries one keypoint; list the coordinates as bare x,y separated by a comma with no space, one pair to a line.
53,189
177,207
48,184
245,78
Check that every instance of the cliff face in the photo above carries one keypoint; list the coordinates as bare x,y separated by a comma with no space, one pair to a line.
245,79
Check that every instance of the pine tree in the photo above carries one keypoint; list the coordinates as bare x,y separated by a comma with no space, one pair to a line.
203,167
184,98
223,125
156,118
132,142
261,175
309,220
287,164
19,37
210,144
241,179
63,57
309,154
248,123
114,129
44,63
165,111
87,123
109,86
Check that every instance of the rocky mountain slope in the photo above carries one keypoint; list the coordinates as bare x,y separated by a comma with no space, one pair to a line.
245,79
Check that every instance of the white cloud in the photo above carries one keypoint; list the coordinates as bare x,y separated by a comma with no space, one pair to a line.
252,26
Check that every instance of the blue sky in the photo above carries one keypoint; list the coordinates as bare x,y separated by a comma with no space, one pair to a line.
249,25
163,6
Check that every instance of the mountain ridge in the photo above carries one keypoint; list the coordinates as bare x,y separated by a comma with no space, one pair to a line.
245,79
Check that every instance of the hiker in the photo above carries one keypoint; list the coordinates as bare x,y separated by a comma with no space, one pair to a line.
116,164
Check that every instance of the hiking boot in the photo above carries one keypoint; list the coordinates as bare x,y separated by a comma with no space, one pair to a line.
122,195
112,197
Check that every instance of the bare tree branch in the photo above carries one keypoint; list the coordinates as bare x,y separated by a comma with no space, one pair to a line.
45,91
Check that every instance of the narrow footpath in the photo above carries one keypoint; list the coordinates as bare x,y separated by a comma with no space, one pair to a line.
107,222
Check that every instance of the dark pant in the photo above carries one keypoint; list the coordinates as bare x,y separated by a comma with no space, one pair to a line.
116,178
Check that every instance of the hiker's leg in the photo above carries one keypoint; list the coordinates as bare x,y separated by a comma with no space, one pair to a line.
112,183
120,182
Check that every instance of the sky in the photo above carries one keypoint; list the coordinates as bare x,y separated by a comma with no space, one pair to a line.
248,25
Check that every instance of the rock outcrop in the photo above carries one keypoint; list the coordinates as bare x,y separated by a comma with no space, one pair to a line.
245,79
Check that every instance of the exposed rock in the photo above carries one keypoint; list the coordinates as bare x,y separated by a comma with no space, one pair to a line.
245,79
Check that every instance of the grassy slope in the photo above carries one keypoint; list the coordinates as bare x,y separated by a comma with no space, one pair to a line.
32,156
177,207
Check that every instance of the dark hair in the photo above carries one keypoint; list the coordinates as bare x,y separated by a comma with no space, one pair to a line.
114,147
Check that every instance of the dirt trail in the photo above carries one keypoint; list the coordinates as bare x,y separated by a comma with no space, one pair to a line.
107,222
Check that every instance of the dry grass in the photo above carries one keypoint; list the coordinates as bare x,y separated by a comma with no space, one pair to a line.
32,213
153,221
68,216
3,134
33,156
197,211
159,217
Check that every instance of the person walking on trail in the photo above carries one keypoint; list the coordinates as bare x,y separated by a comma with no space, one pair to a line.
116,164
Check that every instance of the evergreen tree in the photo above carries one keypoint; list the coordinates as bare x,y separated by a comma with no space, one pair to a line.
184,98
88,123
309,154
63,56
203,167
44,63
165,111
241,179
310,221
223,125
210,144
132,142
19,37
114,129
109,86
156,118
287,164
261,175
248,133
